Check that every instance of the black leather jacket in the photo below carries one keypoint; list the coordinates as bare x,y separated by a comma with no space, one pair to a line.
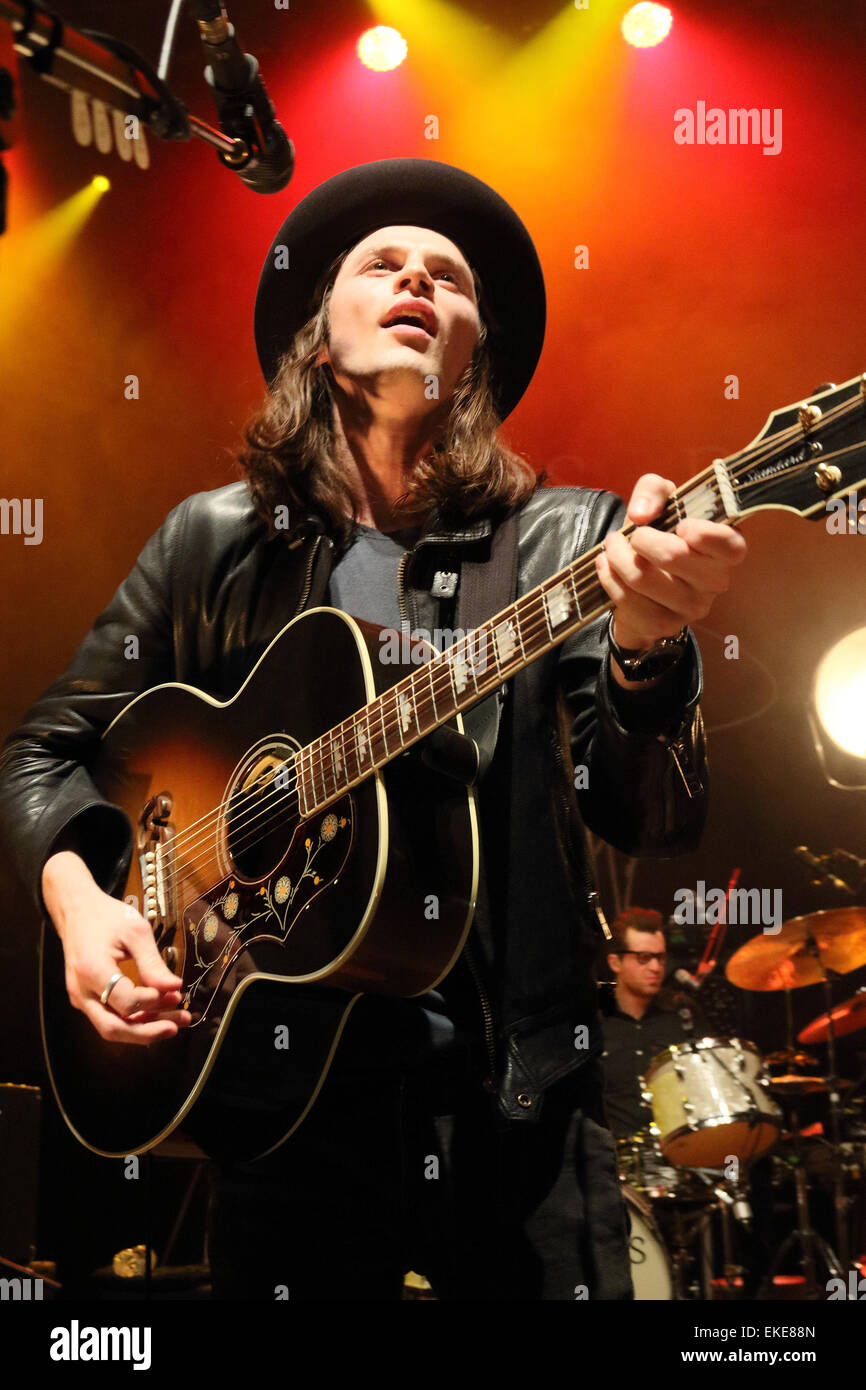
209,592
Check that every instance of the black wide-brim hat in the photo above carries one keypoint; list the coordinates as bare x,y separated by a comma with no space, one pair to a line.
344,209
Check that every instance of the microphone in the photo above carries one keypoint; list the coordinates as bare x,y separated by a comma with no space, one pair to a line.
693,982
818,863
244,109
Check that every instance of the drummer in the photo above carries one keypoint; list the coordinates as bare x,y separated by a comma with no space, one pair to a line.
639,1016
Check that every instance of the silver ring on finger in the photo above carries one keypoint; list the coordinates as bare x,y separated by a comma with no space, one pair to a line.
103,998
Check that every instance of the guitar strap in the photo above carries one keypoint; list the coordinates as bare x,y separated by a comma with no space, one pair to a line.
485,588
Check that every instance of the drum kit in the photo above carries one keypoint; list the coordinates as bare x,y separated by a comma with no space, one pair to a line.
718,1106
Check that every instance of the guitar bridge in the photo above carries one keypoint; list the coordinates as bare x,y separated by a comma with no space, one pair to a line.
156,858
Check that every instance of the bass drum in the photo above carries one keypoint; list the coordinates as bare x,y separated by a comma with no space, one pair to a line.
650,1266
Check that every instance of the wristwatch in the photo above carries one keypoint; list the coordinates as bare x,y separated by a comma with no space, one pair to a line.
637,665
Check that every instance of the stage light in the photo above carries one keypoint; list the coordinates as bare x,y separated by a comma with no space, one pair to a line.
840,693
837,712
38,251
382,48
646,24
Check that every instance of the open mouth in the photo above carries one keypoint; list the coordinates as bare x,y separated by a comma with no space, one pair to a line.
420,320
412,329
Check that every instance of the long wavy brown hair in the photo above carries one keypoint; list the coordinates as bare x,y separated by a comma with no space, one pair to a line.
289,458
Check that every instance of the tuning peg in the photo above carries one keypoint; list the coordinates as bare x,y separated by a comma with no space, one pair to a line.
828,476
808,415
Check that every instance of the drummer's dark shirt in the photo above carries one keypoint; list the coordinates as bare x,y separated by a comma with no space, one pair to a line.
630,1044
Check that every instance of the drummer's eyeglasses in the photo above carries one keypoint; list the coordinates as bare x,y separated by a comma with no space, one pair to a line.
644,957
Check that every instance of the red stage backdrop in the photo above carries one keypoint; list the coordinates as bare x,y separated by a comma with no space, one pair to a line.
692,288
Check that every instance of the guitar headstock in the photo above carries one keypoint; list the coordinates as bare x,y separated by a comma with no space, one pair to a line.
806,456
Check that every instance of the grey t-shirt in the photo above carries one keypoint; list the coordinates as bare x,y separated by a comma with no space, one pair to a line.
364,583
364,579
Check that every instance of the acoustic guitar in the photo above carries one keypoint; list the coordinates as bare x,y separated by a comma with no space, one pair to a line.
306,842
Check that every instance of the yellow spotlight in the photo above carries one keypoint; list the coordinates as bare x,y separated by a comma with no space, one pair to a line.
840,693
101,183
37,251
382,48
646,24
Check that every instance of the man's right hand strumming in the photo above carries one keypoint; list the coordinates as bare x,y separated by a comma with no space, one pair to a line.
99,934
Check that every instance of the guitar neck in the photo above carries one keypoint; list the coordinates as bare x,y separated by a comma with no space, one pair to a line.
482,659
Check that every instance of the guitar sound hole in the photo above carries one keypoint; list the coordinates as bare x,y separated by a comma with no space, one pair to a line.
262,810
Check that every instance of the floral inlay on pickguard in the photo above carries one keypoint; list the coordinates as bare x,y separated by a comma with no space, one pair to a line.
218,929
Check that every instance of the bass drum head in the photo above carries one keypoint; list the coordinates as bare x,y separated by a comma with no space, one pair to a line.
650,1267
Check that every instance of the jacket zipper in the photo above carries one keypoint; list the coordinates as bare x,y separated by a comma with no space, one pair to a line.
404,617
309,576
691,781
590,891
490,1082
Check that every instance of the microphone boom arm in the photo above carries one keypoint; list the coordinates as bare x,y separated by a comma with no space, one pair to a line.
108,70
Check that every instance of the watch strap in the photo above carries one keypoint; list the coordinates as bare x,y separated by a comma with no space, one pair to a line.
645,665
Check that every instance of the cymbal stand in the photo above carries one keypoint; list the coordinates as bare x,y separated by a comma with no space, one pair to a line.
841,1201
729,1196
687,1230
811,1245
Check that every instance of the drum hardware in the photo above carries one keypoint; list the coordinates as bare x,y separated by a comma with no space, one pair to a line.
643,1168
663,1261
733,1206
693,1229
670,1212
716,1098
680,1240
812,949
710,1103
836,941
804,1237
834,1084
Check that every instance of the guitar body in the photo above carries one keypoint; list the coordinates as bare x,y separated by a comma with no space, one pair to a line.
276,921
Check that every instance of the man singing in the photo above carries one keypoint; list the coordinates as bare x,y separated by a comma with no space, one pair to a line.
399,319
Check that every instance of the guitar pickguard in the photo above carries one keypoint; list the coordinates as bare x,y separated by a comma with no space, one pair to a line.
225,924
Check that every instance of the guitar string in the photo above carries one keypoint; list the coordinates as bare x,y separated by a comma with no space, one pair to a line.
443,665
688,491
699,483
440,665
392,726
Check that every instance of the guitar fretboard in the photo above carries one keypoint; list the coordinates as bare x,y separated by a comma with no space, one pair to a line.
480,660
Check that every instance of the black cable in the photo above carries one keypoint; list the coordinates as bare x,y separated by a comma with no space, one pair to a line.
168,116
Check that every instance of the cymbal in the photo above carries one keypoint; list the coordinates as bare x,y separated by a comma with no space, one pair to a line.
802,951
789,1057
847,1018
794,1085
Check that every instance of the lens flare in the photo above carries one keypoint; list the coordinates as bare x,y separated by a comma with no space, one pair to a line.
382,48
646,24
